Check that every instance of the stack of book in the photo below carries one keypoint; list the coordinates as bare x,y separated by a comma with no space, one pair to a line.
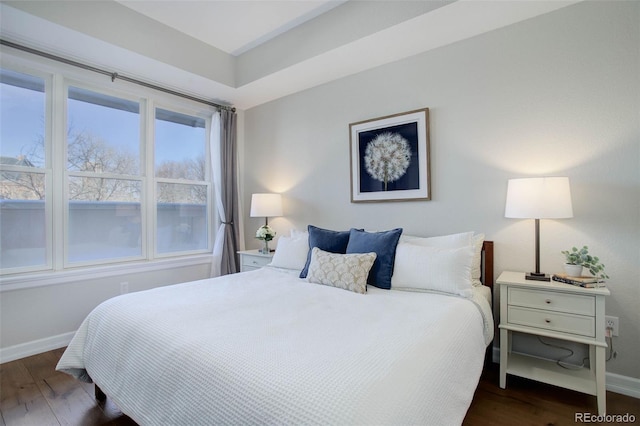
588,282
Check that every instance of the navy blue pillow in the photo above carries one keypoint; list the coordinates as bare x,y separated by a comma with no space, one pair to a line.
384,245
327,240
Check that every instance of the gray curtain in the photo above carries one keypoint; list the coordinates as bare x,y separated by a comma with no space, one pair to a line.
227,193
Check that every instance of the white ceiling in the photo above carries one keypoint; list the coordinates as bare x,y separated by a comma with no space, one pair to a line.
246,53
234,26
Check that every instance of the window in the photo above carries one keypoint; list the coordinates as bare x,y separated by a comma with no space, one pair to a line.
118,187
181,182
23,178
103,156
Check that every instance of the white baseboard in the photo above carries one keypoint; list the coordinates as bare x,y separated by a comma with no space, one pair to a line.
35,347
617,383
623,384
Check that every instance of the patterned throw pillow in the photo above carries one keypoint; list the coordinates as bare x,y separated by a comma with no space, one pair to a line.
345,271
327,240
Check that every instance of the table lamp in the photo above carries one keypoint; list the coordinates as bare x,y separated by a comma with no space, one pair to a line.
266,205
538,198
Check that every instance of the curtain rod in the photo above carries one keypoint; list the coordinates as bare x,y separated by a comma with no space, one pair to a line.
113,75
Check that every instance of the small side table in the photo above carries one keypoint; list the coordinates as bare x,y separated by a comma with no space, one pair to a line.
557,310
253,259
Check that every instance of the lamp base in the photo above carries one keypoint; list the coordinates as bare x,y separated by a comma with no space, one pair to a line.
537,276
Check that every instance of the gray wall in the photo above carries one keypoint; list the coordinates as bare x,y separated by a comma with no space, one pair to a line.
555,95
39,318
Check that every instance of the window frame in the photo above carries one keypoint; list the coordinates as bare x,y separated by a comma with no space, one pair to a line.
58,78
67,263
46,171
212,216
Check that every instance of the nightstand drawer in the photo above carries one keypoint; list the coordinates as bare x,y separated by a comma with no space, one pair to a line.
553,301
556,321
255,261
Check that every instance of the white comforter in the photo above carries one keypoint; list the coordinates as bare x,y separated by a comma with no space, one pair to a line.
264,347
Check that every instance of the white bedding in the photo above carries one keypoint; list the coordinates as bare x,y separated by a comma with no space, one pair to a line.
484,292
264,347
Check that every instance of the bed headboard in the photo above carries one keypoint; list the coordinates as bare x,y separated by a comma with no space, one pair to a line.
487,264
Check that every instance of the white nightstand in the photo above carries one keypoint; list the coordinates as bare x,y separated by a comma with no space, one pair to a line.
253,259
561,311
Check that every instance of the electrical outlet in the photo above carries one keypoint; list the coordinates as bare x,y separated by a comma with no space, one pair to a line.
124,287
611,322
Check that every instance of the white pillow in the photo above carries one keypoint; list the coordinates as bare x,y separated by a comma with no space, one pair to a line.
444,241
296,233
345,271
291,253
476,271
446,270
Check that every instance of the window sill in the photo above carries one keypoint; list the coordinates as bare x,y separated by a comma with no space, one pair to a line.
41,279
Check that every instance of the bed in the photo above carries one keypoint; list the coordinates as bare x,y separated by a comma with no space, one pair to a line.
269,347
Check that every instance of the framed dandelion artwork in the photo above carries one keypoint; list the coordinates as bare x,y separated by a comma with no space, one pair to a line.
390,158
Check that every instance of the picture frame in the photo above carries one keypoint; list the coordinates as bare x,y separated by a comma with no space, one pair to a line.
390,159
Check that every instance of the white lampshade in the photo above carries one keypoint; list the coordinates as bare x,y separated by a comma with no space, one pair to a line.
539,198
266,205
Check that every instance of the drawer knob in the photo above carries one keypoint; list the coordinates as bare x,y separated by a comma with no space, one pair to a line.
548,301
255,262
547,320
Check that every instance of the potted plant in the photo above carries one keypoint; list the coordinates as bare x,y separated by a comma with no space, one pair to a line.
576,259
266,234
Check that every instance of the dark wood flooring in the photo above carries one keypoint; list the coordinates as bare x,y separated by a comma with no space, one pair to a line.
527,402
33,394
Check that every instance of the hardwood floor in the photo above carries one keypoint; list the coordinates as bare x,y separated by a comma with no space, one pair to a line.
526,402
32,393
